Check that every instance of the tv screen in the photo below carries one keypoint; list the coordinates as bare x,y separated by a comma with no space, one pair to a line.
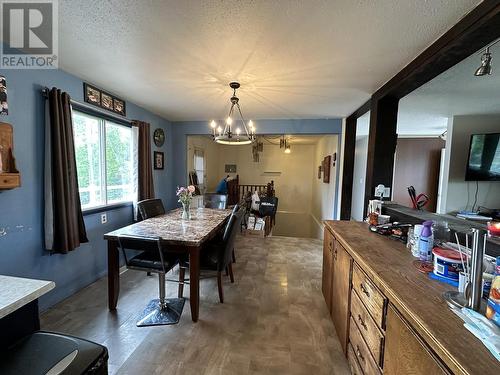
484,158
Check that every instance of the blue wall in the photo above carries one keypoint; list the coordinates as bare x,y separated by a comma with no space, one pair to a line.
21,210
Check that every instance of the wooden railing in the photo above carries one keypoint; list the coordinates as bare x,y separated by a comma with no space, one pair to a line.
237,191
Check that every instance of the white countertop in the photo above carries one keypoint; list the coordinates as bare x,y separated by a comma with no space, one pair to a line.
15,292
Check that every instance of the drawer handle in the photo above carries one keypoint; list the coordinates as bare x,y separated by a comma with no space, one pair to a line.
358,353
363,324
364,290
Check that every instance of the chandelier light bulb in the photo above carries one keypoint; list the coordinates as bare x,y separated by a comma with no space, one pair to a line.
213,124
287,150
238,131
219,130
229,121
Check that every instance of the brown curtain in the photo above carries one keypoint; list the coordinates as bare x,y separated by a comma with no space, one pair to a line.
146,188
64,225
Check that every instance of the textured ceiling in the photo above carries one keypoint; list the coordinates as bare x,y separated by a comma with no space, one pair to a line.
454,92
294,59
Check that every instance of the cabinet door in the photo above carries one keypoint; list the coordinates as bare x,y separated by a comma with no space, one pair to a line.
326,285
405,353
341,291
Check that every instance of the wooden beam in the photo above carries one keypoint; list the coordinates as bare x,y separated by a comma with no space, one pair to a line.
381,145
348,168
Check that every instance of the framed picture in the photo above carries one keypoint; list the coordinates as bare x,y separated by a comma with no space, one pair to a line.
230,168
100,98
326,168
159,160
92,94
119,106
4,107
106,101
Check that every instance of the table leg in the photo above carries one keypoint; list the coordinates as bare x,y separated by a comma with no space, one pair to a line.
194,282
113,274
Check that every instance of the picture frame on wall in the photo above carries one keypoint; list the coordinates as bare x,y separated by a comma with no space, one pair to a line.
119,106
106,101
91,94
326,169
159,160
100,98
4,107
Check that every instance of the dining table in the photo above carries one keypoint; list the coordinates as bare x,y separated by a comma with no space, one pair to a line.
176,235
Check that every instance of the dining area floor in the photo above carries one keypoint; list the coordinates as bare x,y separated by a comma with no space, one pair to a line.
273,320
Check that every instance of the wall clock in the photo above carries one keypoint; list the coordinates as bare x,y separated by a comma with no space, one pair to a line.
159,137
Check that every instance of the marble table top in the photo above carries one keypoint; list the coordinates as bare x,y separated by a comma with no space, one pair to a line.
172,230
15,292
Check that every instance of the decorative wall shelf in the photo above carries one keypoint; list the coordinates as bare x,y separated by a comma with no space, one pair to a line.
10,177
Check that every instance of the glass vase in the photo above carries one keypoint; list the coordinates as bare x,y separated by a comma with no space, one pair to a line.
186,213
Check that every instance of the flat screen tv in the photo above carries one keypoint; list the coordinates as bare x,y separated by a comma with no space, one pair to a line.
484,158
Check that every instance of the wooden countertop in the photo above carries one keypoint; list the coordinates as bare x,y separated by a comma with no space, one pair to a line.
15,292
419,299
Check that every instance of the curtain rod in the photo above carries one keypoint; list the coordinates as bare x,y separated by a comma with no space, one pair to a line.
90,107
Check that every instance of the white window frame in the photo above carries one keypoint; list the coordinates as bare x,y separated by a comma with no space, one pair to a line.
197,151
102,120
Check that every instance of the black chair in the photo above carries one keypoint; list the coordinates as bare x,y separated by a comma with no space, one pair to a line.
150,208
216,255
148,255
213,200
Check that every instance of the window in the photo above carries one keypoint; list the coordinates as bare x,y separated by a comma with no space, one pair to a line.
105,161
199,165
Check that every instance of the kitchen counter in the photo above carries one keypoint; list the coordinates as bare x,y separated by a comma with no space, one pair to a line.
419,299
16,292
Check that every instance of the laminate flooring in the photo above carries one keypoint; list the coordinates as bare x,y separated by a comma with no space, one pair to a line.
274,319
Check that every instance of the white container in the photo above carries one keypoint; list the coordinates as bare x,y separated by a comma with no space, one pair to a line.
417,230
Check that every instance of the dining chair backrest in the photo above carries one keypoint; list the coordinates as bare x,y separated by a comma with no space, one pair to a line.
268,206
217,201
225,255
150,208
137,243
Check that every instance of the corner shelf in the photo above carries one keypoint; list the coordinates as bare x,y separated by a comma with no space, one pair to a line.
10,178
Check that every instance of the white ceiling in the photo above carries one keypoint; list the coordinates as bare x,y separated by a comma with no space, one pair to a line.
294,59
454,92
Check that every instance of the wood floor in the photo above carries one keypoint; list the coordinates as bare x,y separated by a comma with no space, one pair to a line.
273,320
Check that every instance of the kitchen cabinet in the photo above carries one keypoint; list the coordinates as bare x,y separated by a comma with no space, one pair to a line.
341,286
405,352
327,275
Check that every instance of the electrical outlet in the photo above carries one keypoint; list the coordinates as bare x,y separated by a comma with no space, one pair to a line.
387,192
104,218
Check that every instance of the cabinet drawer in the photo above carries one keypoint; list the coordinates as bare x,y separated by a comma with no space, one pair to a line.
353,362
9,180
370,295
361,351
374,339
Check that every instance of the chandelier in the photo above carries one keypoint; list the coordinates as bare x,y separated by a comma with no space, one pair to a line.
234,134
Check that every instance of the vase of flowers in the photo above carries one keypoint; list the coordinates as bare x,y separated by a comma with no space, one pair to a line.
185,195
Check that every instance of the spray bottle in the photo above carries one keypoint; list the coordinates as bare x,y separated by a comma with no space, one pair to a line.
426,242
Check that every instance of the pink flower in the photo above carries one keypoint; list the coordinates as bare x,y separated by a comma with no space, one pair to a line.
191,188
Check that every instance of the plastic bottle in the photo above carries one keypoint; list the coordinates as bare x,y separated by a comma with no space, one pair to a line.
426,242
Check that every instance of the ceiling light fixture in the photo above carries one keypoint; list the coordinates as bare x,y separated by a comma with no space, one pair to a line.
485,68
242,135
